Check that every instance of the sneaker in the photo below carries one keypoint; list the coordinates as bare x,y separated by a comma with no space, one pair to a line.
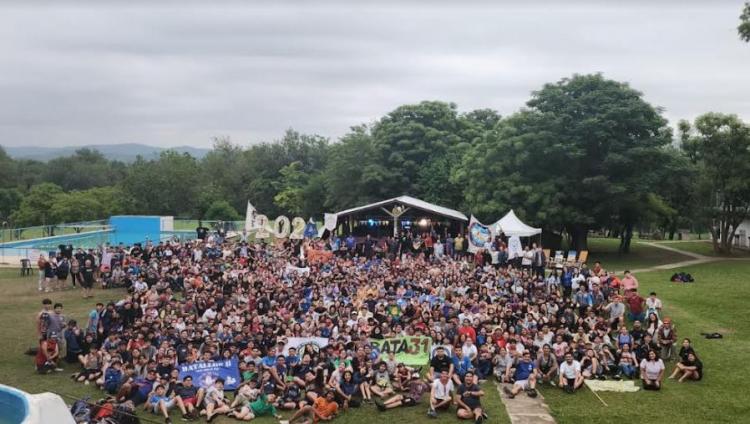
59,370
431,413
381,406
167,420
601,378
283,421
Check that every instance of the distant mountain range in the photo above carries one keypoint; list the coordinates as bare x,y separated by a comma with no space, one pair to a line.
123,152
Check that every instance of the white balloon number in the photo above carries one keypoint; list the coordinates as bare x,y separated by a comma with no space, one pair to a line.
298,229
281,227
261,227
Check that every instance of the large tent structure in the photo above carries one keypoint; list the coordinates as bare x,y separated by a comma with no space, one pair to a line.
511,225
403,213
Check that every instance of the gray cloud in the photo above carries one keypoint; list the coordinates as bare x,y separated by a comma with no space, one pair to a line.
180,73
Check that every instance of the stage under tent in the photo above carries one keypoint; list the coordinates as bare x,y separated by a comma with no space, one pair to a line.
400,214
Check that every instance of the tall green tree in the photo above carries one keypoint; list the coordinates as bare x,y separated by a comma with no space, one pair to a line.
84,169
88,205
165,186
36,205
744,27
719,145
354,174
222,210
583,155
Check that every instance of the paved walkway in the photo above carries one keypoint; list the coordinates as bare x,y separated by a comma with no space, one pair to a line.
525,410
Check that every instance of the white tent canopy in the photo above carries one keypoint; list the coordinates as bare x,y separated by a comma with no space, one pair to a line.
510,225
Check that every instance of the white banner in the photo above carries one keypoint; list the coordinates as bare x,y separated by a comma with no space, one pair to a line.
295,269
515,249
300,343
479,235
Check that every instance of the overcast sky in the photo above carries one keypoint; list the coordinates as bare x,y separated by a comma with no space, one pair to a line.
180,73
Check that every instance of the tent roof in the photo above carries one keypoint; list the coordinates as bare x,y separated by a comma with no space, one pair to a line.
411,202
510,225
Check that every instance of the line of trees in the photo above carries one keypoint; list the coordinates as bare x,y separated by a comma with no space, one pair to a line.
585,153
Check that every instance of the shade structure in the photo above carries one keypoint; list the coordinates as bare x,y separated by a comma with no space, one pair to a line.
403,213
510,225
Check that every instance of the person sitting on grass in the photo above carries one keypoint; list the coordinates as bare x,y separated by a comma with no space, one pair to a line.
291,397
691,368
188,397
441,394
159,403
216,404
525,376
439,363
503,362
652,371
591,366
468,400
347,391
628,363
48,354
546,363
571,378
382,380
262,406
416,388
324,408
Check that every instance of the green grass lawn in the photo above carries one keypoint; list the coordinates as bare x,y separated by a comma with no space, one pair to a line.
715,302
641,256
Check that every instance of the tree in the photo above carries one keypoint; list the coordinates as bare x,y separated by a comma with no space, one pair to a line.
719,145
88,205
290,189
583,155
744,28
36,205
408,137
83,170
222,211
10,200
354,174
166,186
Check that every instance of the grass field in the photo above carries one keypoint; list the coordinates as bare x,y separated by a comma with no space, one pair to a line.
715,302
641,255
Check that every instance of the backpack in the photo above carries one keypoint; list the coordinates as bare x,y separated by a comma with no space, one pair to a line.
81,411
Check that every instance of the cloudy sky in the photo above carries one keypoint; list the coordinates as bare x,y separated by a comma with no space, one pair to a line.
182,72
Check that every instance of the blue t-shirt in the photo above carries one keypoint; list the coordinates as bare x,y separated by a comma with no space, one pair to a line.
524,370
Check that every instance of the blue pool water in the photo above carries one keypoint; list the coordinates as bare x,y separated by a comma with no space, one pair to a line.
13,406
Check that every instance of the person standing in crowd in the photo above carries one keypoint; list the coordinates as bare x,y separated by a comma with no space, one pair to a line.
629,282
87,276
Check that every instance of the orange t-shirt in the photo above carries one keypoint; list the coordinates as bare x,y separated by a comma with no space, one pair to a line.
324,408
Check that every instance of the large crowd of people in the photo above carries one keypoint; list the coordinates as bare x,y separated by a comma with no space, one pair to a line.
490,316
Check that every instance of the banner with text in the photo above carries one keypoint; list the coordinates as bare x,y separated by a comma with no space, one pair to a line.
301,343
205,373
409,350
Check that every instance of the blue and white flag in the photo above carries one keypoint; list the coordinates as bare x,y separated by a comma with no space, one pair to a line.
205,373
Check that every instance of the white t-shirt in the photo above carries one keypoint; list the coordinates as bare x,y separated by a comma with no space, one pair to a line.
442,391
570,370
652,368
470,351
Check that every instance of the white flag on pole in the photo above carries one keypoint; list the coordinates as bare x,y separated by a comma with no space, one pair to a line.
250,217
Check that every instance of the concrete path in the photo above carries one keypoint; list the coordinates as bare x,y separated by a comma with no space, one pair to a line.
525,410
697,259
